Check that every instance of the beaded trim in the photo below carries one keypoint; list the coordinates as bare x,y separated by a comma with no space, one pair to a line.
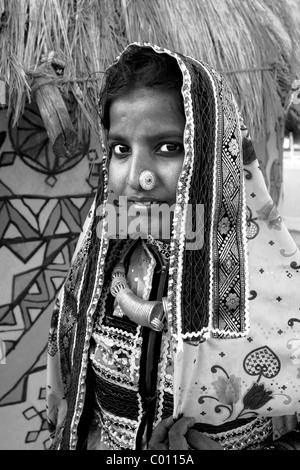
250,436
90,314
182,201
164,382
119,433
163,248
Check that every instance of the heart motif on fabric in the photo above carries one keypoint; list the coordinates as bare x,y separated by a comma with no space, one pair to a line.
262,362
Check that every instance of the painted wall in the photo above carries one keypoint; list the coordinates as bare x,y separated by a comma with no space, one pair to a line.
42,210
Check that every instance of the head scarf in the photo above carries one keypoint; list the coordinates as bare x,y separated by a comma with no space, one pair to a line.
211,181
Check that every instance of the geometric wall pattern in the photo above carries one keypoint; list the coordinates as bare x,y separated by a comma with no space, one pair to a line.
29,226
30,142
38,235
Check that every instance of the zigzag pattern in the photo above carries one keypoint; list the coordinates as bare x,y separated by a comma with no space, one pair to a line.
43,231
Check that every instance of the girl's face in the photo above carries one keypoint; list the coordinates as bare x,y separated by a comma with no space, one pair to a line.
146,133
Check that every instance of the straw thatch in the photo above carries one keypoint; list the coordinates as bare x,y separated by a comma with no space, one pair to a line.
255,43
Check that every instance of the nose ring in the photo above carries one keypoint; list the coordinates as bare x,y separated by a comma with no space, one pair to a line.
147,180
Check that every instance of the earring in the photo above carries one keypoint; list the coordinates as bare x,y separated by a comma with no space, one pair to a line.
147,180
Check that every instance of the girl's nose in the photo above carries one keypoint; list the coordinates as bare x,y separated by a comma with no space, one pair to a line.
137,165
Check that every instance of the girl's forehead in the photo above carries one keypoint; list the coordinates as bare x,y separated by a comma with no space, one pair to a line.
153,108
156,99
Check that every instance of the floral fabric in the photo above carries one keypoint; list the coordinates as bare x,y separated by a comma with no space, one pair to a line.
259,374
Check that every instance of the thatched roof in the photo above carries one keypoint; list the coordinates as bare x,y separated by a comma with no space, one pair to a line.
255,43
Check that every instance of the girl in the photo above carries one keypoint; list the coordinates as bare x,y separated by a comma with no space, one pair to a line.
178,323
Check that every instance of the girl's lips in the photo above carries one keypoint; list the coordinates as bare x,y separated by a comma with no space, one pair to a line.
143,205
144,202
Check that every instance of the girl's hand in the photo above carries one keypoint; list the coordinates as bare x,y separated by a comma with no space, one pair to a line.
172,434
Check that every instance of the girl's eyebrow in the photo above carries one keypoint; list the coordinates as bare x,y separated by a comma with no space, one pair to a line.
169,134
114,136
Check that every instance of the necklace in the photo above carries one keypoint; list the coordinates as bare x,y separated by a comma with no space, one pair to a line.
163,247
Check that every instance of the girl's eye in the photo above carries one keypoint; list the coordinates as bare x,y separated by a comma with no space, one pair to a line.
171,148
119,149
